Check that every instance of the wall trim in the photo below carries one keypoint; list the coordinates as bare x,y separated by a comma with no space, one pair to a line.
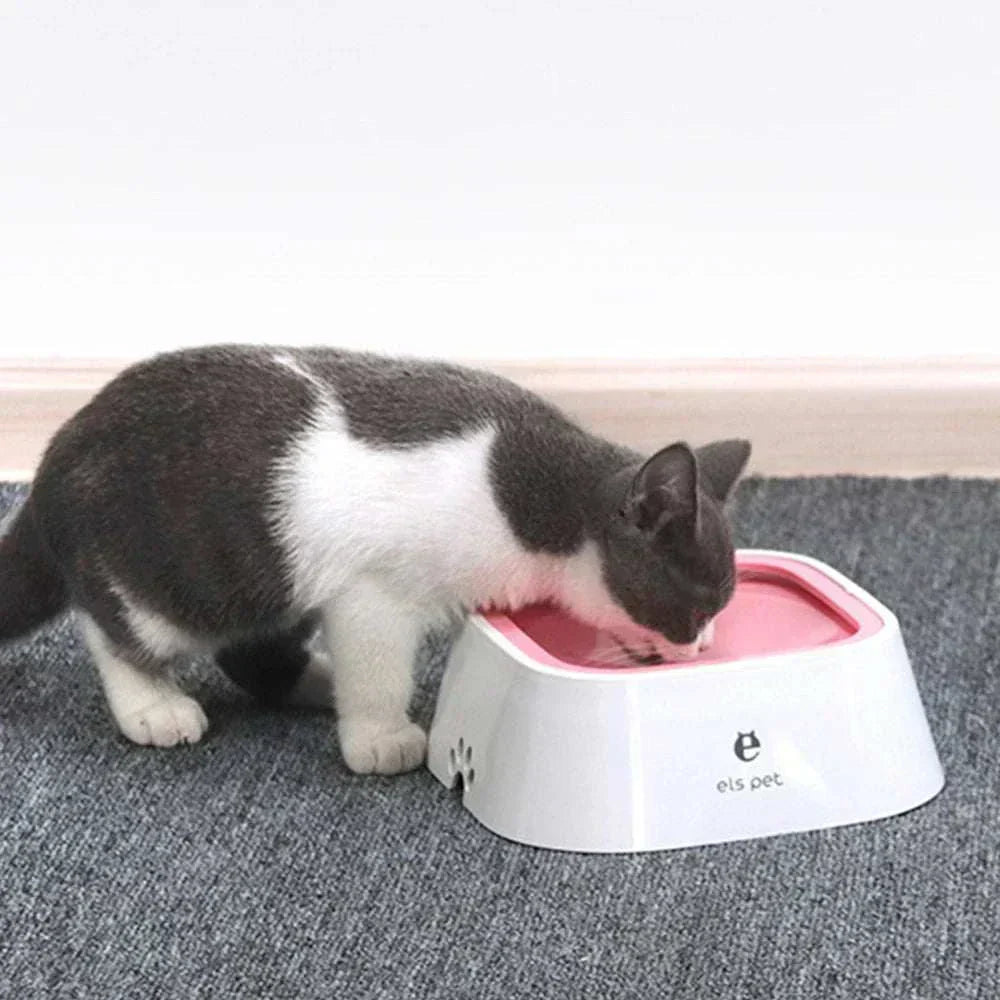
805,416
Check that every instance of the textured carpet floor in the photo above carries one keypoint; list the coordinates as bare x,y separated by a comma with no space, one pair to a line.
255,865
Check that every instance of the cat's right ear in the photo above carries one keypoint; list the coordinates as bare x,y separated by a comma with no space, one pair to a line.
664,490
721,464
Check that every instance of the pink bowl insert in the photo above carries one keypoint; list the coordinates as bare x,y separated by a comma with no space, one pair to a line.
780,605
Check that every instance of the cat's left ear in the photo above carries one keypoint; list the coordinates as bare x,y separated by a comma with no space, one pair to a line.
664,490
721,464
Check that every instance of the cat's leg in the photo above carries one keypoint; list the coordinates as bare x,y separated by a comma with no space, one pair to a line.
287,667
372,638
314,688
147,705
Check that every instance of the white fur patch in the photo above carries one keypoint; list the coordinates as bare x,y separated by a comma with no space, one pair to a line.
421,520
158,636
585,593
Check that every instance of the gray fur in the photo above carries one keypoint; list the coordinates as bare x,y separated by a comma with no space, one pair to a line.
160,484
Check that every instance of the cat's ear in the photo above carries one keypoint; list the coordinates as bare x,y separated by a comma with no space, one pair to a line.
664,490
721,464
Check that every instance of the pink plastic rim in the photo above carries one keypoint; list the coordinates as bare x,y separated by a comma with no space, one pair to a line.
780,605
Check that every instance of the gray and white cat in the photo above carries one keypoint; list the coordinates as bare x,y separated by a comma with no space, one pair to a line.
231,499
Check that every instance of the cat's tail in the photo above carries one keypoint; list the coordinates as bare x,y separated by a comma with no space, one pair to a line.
32,589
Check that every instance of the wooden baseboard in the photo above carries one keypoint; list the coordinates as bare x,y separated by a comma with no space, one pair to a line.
805,417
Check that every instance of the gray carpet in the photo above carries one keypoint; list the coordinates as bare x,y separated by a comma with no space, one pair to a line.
255,865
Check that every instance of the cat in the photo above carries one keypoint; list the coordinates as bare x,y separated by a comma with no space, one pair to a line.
233,500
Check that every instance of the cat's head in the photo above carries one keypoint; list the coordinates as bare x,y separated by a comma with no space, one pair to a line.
667,553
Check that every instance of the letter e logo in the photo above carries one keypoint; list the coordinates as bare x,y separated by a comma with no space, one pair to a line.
747,746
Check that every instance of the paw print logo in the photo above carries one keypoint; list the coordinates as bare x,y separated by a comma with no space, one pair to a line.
460,763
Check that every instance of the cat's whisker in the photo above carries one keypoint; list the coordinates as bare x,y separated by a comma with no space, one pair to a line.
610,655
609,651
615,652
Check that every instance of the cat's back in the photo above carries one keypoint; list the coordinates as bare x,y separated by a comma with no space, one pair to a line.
402,401
223,417
223,397
191,415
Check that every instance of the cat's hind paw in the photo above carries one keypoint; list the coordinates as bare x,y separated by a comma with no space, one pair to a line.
166,722
370,749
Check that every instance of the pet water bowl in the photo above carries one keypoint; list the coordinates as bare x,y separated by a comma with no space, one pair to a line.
804,714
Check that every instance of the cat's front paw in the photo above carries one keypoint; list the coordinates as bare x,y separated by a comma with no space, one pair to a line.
369,748
174,718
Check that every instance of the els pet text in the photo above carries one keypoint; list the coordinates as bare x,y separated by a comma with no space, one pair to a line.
753,784
747,749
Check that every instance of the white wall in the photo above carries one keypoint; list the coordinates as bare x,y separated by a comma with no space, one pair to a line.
634,179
